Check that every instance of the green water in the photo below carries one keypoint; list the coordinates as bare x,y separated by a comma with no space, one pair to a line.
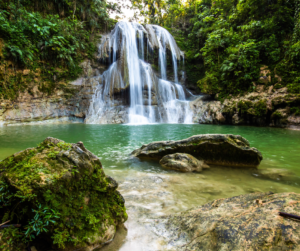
149,190
280,148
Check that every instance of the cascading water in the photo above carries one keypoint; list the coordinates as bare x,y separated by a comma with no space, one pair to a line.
151,99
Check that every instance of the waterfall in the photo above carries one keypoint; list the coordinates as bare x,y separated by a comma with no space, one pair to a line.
165,39
130,87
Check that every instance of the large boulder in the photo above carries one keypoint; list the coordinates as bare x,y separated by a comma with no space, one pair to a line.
246,222
182,162
61,196
214,149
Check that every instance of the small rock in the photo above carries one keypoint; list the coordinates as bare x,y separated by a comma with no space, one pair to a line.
26,72
182,162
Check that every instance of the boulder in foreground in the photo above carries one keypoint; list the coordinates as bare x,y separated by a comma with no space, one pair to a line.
61,196
214,149
182,162
246,222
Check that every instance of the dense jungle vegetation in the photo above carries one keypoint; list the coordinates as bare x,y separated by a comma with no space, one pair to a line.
228,41
42,42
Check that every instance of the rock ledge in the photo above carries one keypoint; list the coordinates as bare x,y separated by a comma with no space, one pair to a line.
214,149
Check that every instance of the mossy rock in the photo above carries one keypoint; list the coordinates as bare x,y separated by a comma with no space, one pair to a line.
244,105
260,108
67,182
214,149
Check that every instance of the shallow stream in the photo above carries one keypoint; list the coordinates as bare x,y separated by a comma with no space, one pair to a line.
149,190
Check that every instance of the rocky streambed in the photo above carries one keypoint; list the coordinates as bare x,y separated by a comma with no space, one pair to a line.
163,206
160,217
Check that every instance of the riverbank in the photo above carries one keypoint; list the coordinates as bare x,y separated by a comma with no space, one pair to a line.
63,107
265,107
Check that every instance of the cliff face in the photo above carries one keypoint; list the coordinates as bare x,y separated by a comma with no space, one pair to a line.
70,105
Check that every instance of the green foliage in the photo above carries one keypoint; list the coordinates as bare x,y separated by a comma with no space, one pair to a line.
276,115
232,40
244,106
10,239
260,108
49,39
295,111
44,217
64,146
52,154
60,238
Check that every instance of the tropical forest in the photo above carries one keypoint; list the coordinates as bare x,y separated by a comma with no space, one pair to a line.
149,125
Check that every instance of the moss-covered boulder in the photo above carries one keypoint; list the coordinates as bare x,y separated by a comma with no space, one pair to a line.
214,149
61,196
245,222
182,162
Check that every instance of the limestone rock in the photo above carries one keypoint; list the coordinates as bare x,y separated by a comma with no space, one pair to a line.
270,90
294,122
214,149
207,112
151,36
182,162
70,180
245,222
260,88
269,107
26,72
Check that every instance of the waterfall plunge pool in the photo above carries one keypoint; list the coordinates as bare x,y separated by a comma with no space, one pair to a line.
149,190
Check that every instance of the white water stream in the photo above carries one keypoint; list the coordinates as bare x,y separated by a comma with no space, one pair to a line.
151,98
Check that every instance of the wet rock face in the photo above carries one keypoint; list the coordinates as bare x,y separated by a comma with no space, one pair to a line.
69,105
214,149
182,162
264,107
70,180
246,222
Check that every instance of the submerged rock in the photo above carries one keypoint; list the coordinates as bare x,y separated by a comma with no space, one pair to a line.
245,222
214,149
182,162
67,182
277,174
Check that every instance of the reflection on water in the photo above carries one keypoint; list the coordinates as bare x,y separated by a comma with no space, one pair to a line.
150,191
